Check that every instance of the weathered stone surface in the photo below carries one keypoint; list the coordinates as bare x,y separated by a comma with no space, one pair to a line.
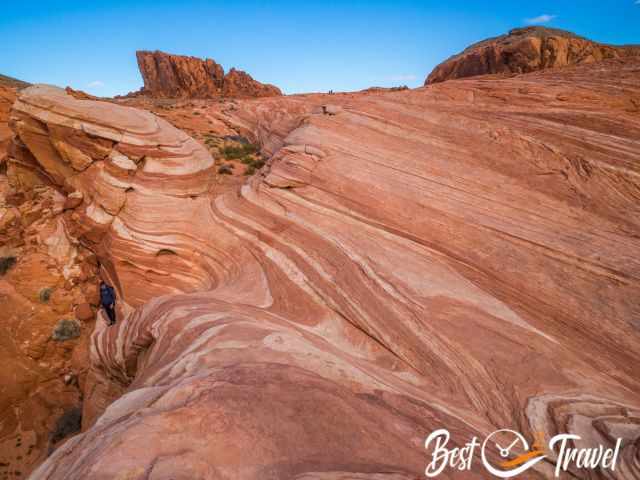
84,312
525,50
240,84
7,97
33,393
464,255
73,200
178,76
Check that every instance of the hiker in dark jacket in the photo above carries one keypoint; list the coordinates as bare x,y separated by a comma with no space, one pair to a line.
108,301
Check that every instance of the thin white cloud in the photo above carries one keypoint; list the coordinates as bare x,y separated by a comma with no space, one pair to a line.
637,2
544,18
96,84
405,78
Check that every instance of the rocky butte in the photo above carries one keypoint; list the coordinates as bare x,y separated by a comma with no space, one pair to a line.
465,255
525,50
177,76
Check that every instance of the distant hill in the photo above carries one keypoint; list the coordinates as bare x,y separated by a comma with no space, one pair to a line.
12,82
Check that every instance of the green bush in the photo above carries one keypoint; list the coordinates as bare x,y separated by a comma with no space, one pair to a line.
6,263
250,170
231,152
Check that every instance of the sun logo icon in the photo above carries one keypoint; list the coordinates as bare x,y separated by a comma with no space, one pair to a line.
514,450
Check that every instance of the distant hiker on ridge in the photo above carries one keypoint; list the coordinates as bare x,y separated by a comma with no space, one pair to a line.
108,301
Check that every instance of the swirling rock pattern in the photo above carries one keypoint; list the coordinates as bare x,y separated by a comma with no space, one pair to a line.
461,256
525,50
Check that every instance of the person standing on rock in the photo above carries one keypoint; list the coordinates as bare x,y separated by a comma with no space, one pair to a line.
108,301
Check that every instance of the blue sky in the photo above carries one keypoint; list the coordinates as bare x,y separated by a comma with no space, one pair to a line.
300,46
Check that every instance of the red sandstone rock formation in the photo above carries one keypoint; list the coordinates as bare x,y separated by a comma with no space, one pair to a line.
7,97
464,256
240,84
525,50
177,76
44,275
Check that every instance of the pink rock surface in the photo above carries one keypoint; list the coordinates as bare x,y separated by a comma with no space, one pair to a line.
464,255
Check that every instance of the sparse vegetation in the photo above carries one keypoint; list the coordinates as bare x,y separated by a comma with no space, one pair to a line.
234,152
45,294
6,263
66,330
69,423
226,169
252,163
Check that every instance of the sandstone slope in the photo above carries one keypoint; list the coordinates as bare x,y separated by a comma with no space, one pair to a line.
178,76
47,302
525,50
465,255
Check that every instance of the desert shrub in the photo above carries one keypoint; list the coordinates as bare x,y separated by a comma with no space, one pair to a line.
6,263
69,423
231,152
258,163
247,159
250,170
196,113
225,169
66,330
45,294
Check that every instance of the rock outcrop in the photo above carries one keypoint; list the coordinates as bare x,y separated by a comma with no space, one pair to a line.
177,76
46,277
525,50
7,97
11,82
464,256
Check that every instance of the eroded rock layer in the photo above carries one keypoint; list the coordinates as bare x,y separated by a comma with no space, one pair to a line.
178,76
48,296
462,256
525,50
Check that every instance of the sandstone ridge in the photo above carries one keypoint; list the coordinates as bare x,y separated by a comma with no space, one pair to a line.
178,76
525,50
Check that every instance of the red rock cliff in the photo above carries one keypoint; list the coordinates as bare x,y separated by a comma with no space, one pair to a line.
525,50
177,76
